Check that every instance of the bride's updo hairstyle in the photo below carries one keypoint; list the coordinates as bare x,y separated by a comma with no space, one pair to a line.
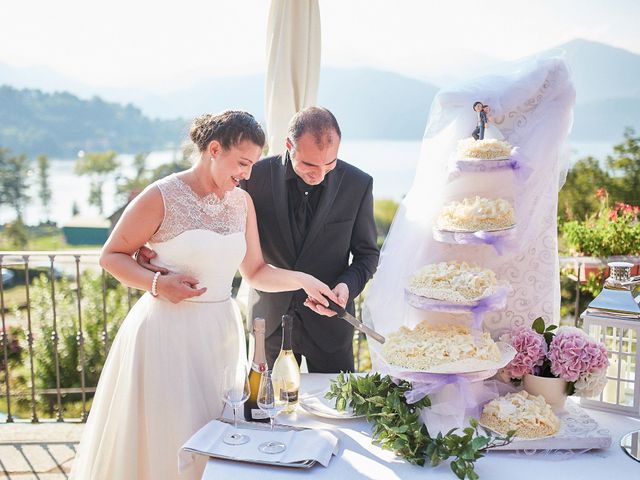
230,128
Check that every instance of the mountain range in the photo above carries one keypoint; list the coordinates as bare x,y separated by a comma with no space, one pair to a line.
38,103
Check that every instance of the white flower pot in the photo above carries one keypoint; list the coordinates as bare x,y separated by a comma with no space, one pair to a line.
554,390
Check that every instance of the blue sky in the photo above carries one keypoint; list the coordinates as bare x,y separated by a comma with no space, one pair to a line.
147,43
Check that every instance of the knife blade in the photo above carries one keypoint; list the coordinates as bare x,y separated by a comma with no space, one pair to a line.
342,313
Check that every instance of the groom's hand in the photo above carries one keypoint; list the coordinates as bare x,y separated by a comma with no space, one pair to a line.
341,291
144,256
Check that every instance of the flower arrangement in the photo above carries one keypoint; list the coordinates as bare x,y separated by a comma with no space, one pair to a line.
610,231
566,352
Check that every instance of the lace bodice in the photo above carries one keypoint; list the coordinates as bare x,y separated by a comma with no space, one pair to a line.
185,210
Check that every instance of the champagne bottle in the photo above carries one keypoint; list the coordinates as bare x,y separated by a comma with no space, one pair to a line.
252,412
286,367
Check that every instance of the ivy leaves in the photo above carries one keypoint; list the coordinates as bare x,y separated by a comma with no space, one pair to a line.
396,424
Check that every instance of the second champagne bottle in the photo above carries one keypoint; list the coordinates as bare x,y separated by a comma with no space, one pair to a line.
286,367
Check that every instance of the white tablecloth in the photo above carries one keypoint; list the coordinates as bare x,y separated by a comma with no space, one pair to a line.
359,458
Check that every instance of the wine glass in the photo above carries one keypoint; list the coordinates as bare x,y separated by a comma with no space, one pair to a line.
271,402
235,392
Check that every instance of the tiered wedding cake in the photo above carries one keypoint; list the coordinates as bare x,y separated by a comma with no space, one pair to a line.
488,205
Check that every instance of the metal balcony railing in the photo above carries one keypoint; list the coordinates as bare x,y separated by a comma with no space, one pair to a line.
23,266
53,264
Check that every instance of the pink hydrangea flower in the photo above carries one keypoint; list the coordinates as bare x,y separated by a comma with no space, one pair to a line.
573,353
531,350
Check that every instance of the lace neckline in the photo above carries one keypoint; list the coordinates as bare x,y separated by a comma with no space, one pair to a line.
185,210
209,197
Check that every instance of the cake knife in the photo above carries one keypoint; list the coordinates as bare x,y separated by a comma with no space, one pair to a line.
342,313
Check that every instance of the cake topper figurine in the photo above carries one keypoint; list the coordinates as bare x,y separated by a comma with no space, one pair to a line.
478,132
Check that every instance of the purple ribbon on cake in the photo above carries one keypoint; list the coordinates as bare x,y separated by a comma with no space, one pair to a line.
516,162
499,240
520,167
484,165
496,301
423,384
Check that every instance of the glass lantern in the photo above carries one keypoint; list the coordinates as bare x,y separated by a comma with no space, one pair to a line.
613,318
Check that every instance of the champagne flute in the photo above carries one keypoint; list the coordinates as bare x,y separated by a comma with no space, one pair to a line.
235,392
271,402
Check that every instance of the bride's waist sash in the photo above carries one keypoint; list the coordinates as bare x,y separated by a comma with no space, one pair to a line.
197,300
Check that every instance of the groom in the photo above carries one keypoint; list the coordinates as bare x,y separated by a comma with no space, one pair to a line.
314,212
478,132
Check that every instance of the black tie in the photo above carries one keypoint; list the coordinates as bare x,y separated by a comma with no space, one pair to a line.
303,215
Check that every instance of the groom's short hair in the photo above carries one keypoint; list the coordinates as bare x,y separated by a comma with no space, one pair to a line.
318,121
476,104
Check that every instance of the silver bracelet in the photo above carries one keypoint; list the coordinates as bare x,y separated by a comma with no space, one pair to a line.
154,284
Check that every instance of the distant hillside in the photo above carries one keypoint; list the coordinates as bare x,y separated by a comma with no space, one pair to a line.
376,104
368,103
601,71
606,119
211,95
60,124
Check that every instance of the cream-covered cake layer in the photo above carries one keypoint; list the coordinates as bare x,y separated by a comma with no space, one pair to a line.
488,149
456,282
529,415
427,346
478,213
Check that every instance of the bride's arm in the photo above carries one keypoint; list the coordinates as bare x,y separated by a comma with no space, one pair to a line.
267,278
138,223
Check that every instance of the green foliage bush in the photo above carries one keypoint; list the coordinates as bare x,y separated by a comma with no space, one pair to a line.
383,212
67,330
611,231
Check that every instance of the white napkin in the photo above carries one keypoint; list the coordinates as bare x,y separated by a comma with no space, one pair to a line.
310,444
316,403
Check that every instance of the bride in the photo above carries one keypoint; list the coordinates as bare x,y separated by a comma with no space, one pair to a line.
162,378
491,130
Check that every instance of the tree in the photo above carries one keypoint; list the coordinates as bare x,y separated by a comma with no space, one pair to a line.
625,167
98,166
140,164
14,174
588,182
577,199
44,189
17,234
127,185
383,212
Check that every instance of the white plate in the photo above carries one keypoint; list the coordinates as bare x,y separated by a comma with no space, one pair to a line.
497,230
477,159
315,403
516,437
507,352
435,304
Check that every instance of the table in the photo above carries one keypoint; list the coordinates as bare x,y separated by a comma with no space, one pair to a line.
359,458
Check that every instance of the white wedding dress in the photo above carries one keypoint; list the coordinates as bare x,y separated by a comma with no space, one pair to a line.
492,132
162,379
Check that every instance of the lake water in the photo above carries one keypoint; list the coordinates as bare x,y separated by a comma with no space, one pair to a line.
391,163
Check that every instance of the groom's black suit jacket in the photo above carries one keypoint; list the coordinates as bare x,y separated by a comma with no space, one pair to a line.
342,225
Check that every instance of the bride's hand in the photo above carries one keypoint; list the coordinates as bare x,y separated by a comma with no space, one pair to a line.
177,287
317,291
